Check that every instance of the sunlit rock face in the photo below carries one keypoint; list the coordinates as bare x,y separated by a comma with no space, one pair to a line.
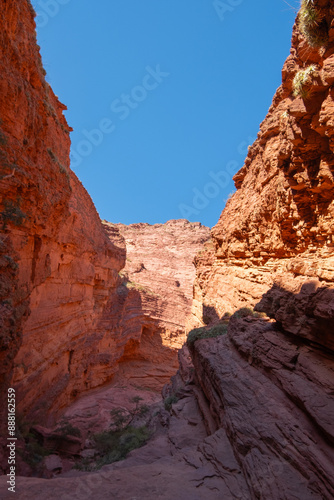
278,226
59,269
158,277
67,318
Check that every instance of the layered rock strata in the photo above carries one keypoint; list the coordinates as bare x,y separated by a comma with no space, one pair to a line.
59,270
234,430
179,462
269,384
278,226
159,268
272,394
67,315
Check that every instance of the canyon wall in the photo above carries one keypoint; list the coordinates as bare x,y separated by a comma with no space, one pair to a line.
159,271
69,319
253,409
59,270
268,382
278,226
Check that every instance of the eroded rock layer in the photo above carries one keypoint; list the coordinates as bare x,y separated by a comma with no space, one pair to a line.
59,270
278,226
273,396
68,318
269,384
159,272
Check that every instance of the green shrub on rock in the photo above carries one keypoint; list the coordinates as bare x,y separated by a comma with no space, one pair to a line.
206,333
312,24
116,443
302,82
169,401
245,312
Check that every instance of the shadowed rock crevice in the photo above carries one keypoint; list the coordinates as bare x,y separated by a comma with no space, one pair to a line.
159,272
271,392
251,418
308,313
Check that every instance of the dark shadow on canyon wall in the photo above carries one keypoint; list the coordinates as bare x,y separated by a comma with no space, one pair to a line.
308,313
209,314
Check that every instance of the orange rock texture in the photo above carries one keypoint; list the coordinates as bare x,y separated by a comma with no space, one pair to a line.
268,383
59,270
158,289
278,226
67,317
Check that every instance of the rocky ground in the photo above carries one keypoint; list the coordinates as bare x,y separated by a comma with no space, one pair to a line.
251,418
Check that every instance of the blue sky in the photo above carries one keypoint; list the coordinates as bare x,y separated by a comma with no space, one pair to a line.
164,96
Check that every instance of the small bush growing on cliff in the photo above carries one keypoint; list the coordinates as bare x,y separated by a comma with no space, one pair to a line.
131,285
122,418
115,444
302,82
206,333
169,401
33,452
312,24
247,311
67,429
12,213
61,167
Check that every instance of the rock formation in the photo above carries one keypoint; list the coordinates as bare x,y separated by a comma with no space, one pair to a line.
250,412
60,270
159,267
269,384
61,293
278,226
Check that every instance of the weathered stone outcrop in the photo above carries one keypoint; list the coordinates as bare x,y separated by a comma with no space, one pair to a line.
160,273
273,396
269,384
266,403
278,226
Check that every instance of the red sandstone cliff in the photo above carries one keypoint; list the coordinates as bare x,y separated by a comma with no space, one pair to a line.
269,384
67,317
160,273
278,226
59,270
